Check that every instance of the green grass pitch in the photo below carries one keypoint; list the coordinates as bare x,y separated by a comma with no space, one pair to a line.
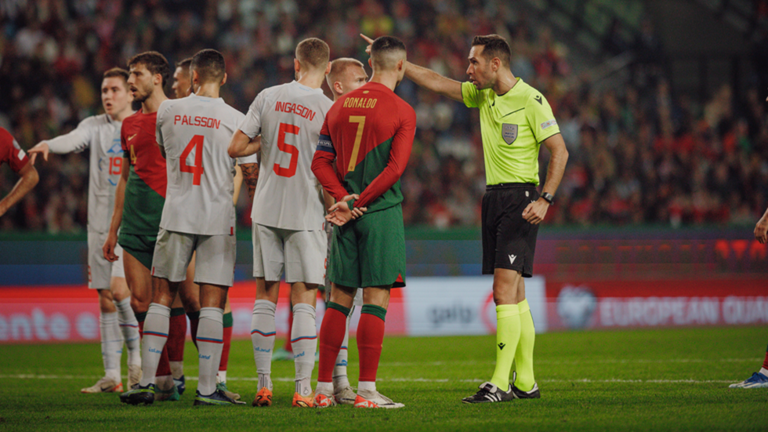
623,380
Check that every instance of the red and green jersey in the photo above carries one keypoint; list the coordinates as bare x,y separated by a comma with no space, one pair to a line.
369,132
147,179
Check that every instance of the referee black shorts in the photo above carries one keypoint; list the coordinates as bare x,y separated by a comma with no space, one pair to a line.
509,241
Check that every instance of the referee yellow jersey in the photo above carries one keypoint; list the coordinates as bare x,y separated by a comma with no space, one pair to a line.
513,126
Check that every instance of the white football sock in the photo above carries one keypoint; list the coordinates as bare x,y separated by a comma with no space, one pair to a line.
340,379
324,388
221,377
130,329
210,342
304,343
111,345
263,339
764,371
366,386
155,335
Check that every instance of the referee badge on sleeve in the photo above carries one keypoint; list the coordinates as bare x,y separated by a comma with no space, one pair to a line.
509,132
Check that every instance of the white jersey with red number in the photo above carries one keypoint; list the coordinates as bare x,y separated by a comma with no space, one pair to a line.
101,134
289,118
195,132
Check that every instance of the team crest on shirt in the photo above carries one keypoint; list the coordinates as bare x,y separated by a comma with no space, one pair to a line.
509,132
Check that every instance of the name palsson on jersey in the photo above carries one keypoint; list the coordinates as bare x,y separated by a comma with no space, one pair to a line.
206,122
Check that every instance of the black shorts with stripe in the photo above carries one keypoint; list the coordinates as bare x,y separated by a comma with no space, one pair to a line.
509,241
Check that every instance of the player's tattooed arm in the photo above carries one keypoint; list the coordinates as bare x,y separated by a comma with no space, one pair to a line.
250,177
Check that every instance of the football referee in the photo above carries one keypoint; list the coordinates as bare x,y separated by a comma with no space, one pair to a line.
515,119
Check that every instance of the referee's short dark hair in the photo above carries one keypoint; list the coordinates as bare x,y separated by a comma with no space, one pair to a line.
494,46
209,65
155,63
386,51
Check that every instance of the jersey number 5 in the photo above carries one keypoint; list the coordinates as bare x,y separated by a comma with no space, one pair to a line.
197,169
287,148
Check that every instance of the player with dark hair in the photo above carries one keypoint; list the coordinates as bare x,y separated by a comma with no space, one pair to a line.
140,195
181,84
101,133
12,154
287,213
346,74
363,150
198,217
188,299
515,120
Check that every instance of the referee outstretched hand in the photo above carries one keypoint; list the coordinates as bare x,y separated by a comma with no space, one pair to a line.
535,211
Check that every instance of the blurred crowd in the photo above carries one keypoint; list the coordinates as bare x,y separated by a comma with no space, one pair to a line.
639,153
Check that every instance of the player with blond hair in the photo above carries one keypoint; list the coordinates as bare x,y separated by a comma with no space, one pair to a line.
287,213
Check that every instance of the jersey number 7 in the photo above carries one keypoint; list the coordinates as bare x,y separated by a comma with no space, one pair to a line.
287,148
197,169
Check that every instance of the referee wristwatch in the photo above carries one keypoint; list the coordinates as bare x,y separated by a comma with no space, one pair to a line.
548,197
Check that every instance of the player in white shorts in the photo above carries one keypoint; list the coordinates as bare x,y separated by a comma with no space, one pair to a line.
188,299
101,133
346,74
287,213
198,216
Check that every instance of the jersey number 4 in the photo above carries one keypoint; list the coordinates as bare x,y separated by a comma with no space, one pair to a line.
197,169
287,148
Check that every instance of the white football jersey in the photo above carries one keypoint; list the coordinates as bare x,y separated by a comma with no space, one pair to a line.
195,132
102,134
289,118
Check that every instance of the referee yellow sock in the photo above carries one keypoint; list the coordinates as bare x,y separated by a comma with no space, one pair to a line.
507,338
524,353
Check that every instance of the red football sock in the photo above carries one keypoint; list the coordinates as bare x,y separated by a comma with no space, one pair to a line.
765,362
194,320
177,333
164,367
370,336
225,349
288,347
331,337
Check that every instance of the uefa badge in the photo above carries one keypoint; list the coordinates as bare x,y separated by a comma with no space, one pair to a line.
509,132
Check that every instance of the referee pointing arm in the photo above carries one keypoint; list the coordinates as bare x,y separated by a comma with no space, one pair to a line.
515,119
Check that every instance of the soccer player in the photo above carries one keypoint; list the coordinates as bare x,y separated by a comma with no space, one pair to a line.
515,120
287,213
101,133
188,299
140,194
11,153
181,82
369,132
346,74
198,216
758,379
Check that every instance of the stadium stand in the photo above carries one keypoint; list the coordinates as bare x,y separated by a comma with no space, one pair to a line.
642,152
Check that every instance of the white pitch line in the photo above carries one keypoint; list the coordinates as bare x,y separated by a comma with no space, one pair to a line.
408,380
576,362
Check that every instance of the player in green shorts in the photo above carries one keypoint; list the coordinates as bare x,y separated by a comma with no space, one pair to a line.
140,194
364,148
515,120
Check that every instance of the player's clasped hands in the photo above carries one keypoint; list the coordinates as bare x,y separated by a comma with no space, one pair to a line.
340,213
